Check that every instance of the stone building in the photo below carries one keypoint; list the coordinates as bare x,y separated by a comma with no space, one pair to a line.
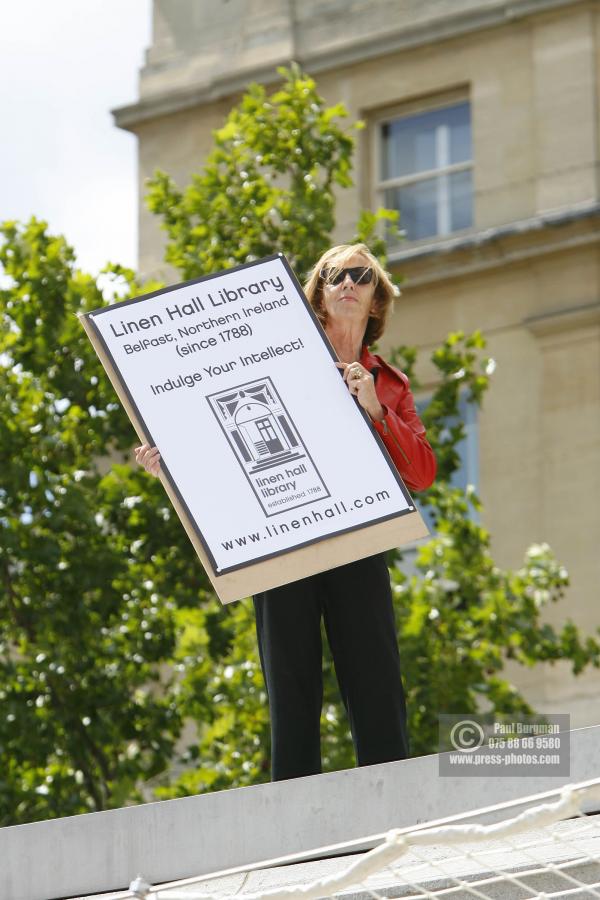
483,128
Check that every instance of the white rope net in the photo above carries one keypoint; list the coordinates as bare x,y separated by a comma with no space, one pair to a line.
548,850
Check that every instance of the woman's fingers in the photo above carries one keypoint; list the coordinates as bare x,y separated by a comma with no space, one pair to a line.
352,371
361,385
153,465
149,458
355,376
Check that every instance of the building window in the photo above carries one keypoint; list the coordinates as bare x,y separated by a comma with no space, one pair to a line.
426,170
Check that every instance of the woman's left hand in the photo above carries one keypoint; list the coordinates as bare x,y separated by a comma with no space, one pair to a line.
361,385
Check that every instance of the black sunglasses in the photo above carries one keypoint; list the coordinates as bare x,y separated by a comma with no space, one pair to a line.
358,274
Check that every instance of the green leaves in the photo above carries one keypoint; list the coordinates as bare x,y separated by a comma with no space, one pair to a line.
462,370
267,185
461,617
83,635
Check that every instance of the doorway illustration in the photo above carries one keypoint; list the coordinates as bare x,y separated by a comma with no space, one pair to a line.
263,437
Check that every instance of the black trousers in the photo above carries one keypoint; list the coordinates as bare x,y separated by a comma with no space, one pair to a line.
356,603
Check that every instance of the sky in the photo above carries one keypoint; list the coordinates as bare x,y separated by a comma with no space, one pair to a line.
63,65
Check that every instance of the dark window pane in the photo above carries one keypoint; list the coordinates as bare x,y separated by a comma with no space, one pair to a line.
418,143
459,122
419,205
418,208
461,200
408,146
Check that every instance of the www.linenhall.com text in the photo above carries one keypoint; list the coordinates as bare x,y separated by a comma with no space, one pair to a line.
272,530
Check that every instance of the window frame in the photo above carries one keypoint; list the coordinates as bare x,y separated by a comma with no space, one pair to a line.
407,110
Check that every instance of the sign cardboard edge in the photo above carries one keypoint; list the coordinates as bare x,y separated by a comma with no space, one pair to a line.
327,553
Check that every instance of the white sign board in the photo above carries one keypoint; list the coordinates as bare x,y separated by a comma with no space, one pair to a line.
232,377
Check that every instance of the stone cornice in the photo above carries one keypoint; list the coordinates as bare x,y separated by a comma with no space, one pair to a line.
564,321
467,254
365,48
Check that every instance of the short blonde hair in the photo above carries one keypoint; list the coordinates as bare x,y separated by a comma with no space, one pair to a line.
385,290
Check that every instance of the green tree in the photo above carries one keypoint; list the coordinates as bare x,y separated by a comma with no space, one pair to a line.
86,709
110,636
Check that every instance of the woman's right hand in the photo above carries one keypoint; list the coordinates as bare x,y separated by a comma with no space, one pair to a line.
149,458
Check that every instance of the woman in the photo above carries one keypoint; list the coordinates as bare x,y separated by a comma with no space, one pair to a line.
351,295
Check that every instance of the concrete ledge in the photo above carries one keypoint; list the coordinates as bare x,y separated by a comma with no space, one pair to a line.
549,220
524,240
211,832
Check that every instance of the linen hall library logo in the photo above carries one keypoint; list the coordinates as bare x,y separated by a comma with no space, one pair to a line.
267,446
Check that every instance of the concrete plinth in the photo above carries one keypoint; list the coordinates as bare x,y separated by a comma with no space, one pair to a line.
211,832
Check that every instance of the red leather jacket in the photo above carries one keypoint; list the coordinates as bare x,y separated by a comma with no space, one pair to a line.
401,430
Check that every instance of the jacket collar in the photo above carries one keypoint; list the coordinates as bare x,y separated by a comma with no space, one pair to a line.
368,359
376,364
